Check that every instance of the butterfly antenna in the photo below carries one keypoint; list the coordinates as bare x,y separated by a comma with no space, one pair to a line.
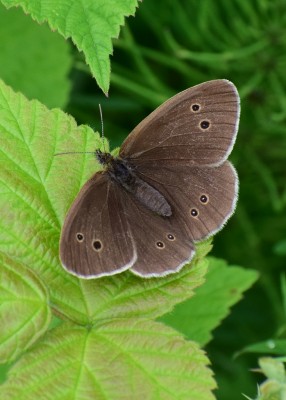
87,152
74,152
102,127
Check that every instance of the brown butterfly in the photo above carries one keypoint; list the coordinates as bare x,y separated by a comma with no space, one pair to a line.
169,187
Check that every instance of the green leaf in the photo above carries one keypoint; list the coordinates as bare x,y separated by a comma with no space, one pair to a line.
128,296
90,24
224,286
24,312
33,59
123,359
271,346
117,352
36,190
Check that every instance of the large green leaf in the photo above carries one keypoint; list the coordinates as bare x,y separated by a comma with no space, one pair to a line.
36,189
33,59
224,286
123,359
24,311
118,353
90,24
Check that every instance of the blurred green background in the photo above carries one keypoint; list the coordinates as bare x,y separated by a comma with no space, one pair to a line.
167,47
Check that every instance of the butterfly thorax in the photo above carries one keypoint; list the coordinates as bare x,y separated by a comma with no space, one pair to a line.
124,173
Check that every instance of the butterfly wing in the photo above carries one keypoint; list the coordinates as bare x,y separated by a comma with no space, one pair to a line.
96,238
198,125
163,245
181,150
202,199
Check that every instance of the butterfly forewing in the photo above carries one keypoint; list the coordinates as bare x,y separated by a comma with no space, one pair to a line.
198,125
96,239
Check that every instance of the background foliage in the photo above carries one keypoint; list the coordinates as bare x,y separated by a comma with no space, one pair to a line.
166,48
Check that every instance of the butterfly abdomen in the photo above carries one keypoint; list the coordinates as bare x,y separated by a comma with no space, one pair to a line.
123,173
151,198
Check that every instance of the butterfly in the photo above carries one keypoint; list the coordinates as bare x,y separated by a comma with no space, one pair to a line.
170,187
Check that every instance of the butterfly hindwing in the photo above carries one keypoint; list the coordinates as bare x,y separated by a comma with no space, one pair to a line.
202,199
163,245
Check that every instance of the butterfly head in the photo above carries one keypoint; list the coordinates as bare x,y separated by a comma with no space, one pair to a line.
103,158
